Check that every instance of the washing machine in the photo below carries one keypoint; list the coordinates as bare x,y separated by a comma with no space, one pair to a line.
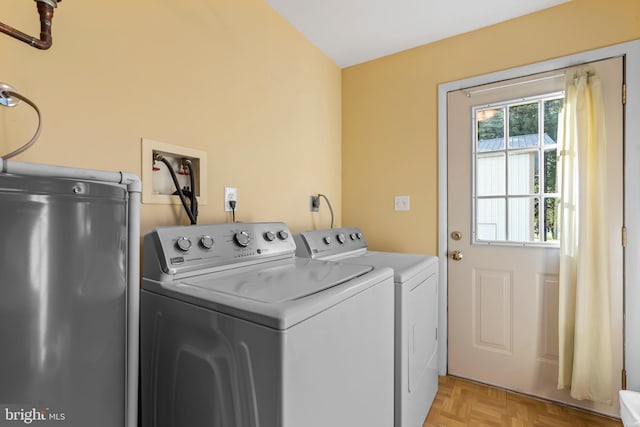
238,332
416,313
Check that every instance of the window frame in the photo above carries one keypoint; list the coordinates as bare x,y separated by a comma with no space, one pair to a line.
541,149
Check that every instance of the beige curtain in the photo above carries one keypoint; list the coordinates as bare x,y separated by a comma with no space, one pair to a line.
584,317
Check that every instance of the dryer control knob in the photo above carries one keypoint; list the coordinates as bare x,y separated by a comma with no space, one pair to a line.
327,240
341,238
269,236
206,242
183,243
242,238
283,235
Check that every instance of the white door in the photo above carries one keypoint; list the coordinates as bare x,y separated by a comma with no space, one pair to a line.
503,282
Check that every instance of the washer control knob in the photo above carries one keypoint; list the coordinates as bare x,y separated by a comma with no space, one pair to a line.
341,238
283,235
359,236
353,236
206,242
242,238
327,240
183,243
269,236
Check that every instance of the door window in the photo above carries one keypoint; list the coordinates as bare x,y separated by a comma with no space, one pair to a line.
515,195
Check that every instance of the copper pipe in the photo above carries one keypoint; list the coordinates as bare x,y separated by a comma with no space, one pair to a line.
45,10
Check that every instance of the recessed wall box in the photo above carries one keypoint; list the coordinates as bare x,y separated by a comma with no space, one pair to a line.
157,185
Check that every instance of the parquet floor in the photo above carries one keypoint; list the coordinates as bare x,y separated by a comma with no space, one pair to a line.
463,403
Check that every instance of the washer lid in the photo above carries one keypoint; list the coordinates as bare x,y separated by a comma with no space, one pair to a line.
405,266
280,283
278,295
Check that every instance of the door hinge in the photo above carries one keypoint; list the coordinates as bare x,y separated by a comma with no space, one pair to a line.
624,236
624,379
436,334
624,94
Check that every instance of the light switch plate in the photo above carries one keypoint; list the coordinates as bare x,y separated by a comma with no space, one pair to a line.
401,203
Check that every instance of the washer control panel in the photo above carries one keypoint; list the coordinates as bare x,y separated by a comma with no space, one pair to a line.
196,249
329,242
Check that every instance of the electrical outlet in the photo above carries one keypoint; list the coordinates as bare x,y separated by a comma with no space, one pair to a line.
230,194
314,203
401,203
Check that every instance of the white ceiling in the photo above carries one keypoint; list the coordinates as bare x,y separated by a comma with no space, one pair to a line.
354,31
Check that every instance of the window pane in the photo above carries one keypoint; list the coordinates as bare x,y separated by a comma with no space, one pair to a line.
550,184
490,135
551,220
524,220
523,173
523,126
515,156
490,224
490,175
551,113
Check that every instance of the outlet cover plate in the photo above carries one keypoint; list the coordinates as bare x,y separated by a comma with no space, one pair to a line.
314,203
230,193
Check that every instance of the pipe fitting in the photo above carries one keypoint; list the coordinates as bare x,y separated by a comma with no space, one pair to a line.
45,10
6,95
52,3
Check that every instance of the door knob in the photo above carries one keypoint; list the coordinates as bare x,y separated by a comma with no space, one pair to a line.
456,255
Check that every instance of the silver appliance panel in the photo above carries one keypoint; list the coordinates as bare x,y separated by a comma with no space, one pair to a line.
182,251
63,302
327,243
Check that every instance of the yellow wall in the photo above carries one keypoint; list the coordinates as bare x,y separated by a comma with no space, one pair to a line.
229,77
232,78
390,110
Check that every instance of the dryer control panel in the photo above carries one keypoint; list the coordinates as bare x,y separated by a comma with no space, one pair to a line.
323,244
183,251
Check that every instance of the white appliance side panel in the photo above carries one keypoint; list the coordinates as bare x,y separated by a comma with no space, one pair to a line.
338,365
202,368
422,317
416,347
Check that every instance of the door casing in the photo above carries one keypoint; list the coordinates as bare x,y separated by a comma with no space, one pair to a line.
631,148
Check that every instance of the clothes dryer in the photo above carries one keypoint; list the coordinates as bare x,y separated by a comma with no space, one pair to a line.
416,313
237,331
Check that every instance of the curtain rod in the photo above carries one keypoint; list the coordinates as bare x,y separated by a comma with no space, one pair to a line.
469,93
